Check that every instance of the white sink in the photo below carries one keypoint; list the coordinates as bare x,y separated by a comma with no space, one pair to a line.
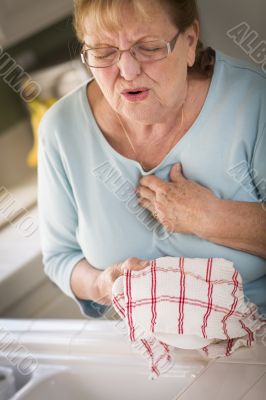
110,379
93,360
89,360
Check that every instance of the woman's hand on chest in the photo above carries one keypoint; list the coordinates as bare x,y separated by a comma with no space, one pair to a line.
181,205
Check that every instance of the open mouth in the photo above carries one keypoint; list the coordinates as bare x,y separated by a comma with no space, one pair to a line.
136,95
137,92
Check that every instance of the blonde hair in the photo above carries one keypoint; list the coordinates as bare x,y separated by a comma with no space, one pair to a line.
106,15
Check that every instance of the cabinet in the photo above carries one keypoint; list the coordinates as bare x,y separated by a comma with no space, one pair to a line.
22,18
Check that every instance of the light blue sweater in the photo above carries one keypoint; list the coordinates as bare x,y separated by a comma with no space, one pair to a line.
86,199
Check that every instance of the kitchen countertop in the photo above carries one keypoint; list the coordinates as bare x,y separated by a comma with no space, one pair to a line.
19,251
241,376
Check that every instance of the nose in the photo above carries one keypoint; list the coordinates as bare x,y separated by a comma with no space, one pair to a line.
129,67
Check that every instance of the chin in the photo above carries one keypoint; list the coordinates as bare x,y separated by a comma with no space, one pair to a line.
145,116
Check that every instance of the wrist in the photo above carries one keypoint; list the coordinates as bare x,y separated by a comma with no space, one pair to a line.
101,296
209,218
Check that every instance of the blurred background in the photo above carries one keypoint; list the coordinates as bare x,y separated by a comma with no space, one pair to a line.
37,41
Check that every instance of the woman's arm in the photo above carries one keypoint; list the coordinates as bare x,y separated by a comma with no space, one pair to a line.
236,224
89,283
83,281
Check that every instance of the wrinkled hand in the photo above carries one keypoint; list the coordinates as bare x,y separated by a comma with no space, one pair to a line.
180,205
108,276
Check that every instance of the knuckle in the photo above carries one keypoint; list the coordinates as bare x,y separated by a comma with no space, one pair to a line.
163,193
167,189
131,261
116,271
159,206
164,221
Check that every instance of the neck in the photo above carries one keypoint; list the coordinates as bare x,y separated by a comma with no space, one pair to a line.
164,129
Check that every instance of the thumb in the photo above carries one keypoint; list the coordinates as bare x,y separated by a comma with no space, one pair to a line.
176,172
140,264
144,263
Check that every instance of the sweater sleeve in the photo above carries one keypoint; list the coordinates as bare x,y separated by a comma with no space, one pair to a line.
259,165
58,218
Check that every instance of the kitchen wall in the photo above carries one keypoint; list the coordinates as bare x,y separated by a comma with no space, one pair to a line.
218,17
50,46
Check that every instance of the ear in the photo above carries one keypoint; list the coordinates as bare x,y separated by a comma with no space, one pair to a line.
192,36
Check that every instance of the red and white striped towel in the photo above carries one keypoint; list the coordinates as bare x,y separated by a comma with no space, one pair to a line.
190,303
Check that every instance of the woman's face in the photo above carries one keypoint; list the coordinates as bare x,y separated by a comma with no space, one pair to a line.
165,79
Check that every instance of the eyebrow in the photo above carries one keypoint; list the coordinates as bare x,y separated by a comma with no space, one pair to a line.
135,41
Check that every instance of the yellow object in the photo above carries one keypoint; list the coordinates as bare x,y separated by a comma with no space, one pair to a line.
37,109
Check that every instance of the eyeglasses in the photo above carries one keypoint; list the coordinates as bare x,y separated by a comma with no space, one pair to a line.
144,52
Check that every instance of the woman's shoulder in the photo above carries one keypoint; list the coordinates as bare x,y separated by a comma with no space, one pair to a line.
241,81
65,115
66,108
242,69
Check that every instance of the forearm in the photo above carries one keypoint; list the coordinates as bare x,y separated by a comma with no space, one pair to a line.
236,224
83,281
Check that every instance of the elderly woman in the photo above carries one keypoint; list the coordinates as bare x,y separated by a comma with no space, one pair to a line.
160,153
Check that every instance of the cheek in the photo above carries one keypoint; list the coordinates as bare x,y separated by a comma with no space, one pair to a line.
167,77
166,71
106,81
154,72
176,74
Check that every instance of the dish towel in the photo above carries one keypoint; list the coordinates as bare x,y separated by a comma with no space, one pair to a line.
189,303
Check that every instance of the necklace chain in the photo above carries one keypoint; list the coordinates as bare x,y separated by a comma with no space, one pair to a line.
130,141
